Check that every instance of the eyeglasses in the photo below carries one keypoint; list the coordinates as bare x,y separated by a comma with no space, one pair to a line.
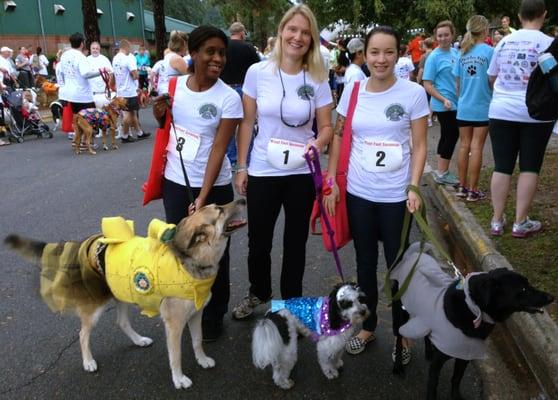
306,97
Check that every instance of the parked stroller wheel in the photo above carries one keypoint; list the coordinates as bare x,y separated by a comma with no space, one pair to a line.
19,139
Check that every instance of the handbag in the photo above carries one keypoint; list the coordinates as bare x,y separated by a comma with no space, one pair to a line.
67,118
153,186
340,221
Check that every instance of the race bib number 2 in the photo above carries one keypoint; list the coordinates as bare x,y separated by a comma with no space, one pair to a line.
382,155
285,154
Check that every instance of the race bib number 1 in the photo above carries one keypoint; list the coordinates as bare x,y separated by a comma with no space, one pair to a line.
191,143
284,154
382,155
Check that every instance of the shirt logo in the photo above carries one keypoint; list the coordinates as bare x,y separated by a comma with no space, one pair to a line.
394,112
472,70
305,92
208,111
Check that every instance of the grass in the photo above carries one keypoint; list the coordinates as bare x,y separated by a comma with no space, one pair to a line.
535,257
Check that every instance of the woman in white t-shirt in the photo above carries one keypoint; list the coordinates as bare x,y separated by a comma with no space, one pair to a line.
512,131
173,63
206,112
391,113
285,93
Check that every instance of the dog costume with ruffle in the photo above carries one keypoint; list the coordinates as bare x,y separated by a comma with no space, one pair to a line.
98,119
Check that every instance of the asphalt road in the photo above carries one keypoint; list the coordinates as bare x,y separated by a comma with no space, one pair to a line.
48,193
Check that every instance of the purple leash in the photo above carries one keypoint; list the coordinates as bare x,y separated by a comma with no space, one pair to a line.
316,172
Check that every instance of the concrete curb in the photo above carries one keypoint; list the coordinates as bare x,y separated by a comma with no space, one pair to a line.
536,335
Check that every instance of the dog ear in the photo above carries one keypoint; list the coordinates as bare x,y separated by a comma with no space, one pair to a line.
334,312
200,235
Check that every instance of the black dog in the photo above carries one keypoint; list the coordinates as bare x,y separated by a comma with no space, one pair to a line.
457,316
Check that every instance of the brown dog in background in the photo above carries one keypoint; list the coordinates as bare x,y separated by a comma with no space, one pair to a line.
86,121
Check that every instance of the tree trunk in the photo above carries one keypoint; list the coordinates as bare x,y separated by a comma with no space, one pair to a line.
90,22
160,29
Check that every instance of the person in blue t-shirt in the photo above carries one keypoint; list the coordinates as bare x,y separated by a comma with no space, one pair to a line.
143,61
440,84
472,107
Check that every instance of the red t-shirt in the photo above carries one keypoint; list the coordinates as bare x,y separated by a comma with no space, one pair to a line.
415,50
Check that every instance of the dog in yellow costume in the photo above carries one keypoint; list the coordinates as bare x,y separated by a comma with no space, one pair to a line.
170,272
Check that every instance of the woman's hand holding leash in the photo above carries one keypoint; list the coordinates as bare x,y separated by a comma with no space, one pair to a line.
160,106
413,202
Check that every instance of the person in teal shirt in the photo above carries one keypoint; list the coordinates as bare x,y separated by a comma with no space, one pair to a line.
143,61
471,73
439,82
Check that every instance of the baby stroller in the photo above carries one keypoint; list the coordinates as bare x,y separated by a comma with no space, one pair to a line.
20,120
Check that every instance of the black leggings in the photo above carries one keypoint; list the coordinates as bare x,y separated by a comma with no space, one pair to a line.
266,196
449,133
175,201
527,139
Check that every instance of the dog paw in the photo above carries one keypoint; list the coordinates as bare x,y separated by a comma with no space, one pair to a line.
182,382
206,362
143,341
285,384
90,365
331,373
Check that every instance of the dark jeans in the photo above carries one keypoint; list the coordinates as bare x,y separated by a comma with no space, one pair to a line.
175,201
371,222
266,196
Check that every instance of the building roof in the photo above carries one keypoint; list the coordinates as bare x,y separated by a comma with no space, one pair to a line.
171,24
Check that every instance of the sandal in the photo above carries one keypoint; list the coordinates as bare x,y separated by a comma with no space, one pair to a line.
405,355
356,345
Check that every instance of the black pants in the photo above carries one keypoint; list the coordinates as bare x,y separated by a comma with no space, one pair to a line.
175,201
449,133
266,196
371,222
142,81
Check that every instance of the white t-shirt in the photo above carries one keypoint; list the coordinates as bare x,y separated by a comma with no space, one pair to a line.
404,67
325,56
5,65
165,72
262,83
123,65
73,68
515,57
197,116
380,159
98,84
43,61
354,73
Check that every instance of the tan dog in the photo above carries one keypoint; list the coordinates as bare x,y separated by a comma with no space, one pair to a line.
89,119
79,276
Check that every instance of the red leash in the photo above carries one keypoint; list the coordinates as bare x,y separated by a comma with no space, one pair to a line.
106,78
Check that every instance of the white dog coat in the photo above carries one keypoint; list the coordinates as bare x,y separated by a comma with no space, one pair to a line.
424,301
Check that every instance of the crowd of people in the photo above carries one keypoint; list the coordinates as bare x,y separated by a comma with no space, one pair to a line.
222,89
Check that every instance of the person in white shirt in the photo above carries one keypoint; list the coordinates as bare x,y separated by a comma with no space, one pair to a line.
512,131
73,73
390,114
98,86
285,93
39,63
173,63
354,72
125,71
9,74
206,112
404,66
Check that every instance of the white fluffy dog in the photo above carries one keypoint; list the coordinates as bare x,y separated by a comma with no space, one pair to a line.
329,321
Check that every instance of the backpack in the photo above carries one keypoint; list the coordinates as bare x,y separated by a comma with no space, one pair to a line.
540,99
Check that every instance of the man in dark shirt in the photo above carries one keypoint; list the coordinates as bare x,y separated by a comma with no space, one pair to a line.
240,56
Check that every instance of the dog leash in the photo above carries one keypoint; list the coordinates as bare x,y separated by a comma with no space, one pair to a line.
106,78
316,172
420,217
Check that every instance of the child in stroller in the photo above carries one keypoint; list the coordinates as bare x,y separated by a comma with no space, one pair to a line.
22,115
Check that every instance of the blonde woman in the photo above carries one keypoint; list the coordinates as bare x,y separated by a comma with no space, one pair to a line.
285,93
173,64
474,94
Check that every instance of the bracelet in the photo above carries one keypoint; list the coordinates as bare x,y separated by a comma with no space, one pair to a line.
241,169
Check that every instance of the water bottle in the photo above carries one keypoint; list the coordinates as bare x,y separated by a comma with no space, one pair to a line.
549,67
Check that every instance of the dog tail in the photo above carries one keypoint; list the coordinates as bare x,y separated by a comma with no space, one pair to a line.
269,339
29,249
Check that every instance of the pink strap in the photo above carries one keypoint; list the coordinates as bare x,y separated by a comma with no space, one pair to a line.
348,133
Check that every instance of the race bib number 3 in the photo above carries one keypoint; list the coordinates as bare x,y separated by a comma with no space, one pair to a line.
191,143
382,156
284,154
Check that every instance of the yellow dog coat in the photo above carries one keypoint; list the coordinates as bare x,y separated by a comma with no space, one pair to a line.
143,270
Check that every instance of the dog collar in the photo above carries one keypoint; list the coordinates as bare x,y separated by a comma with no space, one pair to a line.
473,307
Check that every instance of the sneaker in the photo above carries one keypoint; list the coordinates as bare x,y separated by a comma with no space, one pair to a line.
356,345
497,227
526,228
246,307
128,139
98,135
462,191
476,195
71,135
447,178
405,355
211,329
144,135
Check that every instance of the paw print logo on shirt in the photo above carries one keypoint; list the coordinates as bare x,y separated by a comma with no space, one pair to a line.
472,70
